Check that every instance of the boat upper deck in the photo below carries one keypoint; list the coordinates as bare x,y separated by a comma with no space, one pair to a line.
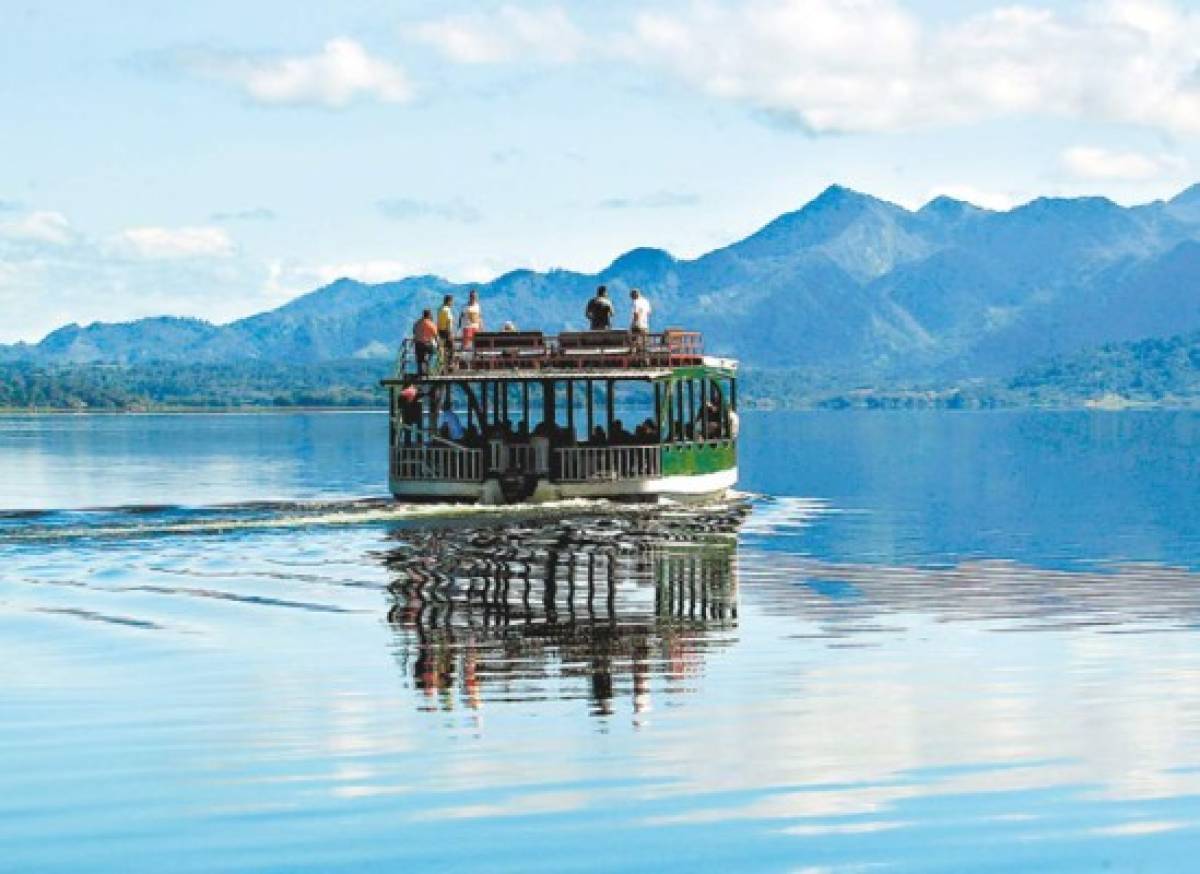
586,354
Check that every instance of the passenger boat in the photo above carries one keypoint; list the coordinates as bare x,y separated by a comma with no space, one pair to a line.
523,416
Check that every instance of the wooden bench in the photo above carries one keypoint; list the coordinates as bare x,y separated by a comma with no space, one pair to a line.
508,348
594,347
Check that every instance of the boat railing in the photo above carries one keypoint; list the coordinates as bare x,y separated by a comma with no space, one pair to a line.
601,463
508,350
523,457
450,464
406,360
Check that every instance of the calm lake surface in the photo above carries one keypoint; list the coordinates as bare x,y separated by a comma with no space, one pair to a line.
922,641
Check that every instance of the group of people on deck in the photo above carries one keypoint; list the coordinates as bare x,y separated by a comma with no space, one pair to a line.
432,338
600,312
436,337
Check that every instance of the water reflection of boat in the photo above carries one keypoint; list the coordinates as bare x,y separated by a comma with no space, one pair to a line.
594,607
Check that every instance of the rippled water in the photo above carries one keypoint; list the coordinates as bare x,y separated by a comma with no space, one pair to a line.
936,641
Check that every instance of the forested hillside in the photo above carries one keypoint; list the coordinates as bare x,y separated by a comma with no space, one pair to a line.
1157,371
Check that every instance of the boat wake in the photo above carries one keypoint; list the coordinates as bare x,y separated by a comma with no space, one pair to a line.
150,520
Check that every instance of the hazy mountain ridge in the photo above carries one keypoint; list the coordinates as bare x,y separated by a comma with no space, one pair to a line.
848,282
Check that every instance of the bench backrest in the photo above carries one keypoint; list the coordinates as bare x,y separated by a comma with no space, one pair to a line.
507,340
582,340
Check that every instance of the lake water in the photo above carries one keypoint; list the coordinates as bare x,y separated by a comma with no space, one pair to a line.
922,641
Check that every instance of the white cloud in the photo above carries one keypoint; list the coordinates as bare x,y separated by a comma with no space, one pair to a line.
286,278
656,200
39,227
173,243
342,72
1086,162
511,33
45,283
409,209
871,65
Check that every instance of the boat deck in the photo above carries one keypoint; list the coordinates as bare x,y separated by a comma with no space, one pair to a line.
602,354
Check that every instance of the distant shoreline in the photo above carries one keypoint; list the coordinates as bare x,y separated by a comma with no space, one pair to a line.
1091,406
183,411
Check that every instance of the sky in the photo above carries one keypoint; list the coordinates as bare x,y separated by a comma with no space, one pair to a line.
217,159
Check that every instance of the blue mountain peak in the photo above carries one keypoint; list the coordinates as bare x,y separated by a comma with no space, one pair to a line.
949,209
642,260
1188,197
837,196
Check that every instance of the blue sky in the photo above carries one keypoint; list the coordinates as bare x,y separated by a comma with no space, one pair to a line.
217,159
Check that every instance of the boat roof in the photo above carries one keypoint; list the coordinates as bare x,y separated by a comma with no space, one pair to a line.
533,355
724,366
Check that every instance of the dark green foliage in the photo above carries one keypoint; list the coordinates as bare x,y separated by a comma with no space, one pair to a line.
1154,370
163,385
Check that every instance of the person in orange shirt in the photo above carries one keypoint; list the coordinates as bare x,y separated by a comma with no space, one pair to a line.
425,337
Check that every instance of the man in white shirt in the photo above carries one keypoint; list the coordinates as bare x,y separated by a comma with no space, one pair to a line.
641,313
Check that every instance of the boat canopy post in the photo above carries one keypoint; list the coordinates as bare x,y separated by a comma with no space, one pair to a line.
571,407
549,402
691,407
591,415
658,419
609,405
677,424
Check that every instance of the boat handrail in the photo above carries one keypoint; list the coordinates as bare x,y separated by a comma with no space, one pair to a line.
437,463
590,463
434,438
569,349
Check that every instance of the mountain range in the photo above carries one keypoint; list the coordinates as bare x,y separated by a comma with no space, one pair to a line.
847,284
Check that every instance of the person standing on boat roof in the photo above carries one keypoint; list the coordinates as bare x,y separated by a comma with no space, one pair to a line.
425,335
470,320
641,313
599,311
445,325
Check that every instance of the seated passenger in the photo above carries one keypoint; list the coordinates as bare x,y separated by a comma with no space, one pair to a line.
598,438
452,424
647,432
619,436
